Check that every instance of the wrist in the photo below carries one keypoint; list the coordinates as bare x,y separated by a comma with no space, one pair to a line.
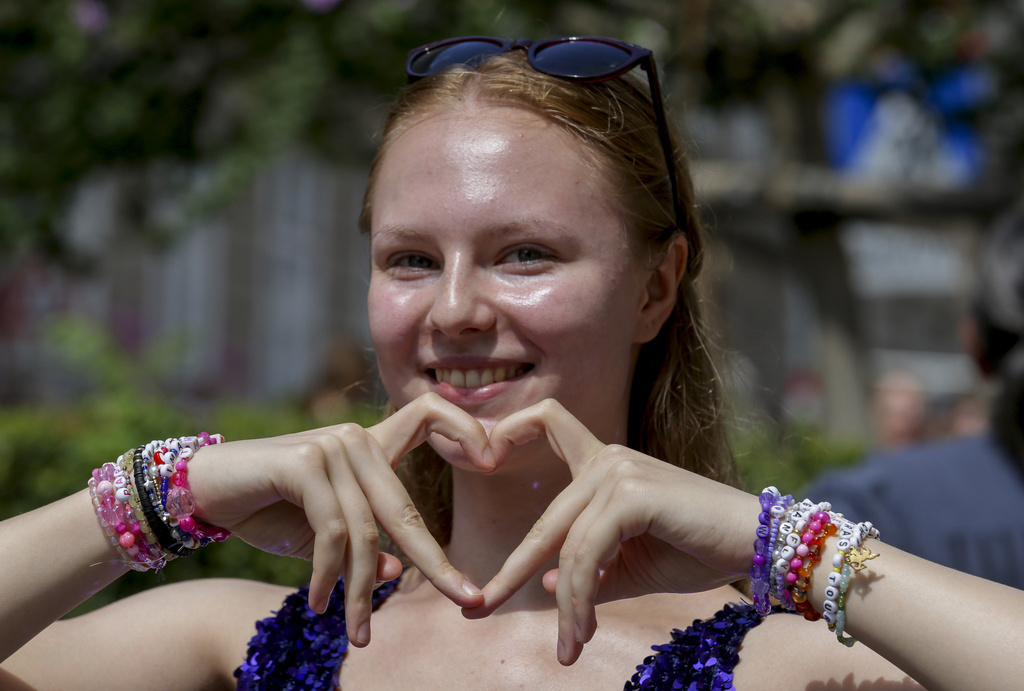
144,503
805,557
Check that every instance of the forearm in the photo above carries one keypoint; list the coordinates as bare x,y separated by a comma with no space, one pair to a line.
54,558
947,629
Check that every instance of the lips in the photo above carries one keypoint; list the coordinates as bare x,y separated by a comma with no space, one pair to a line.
476,378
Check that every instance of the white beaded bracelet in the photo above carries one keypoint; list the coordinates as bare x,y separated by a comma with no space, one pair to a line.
848,559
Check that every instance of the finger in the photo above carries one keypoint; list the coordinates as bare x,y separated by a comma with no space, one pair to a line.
540,544
592,542
401,520
325,517
429,414
361,557
569,438
389,567
550,581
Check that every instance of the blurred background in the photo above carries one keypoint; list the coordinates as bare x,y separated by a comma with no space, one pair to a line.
180,182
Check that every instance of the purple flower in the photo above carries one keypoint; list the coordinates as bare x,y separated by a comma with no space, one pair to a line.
90,16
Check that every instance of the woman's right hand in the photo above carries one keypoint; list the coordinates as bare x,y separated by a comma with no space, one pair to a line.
320,494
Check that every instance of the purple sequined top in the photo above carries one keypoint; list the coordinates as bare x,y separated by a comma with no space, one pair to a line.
299,649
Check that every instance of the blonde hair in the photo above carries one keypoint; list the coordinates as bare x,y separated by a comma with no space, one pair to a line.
675,400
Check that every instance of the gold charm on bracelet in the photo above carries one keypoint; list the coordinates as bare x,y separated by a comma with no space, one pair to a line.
858,556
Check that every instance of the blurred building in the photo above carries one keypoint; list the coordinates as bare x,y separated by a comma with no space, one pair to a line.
250,303
823,275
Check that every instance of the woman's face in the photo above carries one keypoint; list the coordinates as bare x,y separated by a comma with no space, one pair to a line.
500,274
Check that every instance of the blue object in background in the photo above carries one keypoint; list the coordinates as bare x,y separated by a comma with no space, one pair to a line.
903,126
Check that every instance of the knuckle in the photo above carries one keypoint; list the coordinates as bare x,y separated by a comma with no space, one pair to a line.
446,568
309,452
537,531
409,517
335,530
432,400
629,487
368,534
581,552
359,601
349,432
550,406
626,469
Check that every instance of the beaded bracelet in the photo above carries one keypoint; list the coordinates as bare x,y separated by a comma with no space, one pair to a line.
791,529
146,509
818,529
110,491
145,488
796,535
773,508
168,466
784,549
851,537
796,550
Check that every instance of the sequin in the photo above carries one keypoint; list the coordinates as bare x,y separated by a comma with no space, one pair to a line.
297,649
702,657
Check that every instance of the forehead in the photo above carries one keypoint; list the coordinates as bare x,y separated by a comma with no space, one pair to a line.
481,159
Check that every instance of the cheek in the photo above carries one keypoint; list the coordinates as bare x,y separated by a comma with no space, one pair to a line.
577,312
393,323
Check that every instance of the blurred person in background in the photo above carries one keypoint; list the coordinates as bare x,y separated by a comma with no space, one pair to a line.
917,495
899,410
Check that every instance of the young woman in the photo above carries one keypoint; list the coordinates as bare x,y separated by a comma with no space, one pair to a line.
534,247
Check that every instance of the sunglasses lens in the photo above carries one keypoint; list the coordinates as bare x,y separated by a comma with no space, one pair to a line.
462,53
580,59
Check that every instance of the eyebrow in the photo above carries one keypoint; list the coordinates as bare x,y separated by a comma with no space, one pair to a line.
518,226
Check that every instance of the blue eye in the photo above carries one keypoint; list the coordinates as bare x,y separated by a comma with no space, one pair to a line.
525,255
414,261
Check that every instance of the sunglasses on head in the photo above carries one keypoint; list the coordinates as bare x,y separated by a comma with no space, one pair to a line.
587,59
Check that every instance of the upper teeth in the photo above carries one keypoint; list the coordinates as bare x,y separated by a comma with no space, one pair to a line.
474,378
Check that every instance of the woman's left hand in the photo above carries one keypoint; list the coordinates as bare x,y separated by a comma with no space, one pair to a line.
627,525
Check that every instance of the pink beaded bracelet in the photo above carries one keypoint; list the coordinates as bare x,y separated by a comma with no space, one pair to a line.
146,488
796,547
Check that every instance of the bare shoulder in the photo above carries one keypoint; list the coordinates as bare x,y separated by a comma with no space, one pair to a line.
668,611
796,654
208,622
220,614
784,651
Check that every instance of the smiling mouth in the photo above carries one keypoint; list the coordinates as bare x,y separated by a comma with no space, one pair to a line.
475,378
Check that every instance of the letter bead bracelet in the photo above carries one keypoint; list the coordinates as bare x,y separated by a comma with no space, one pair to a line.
144,503
788,544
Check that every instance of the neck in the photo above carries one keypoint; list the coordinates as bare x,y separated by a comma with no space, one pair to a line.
493,513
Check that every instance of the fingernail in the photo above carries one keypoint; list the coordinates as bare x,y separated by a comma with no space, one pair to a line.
364,633
488,457
470,589
561,651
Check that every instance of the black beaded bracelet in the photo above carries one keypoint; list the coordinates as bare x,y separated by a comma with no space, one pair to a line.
160,529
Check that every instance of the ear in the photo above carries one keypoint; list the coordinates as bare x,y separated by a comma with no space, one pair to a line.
659,296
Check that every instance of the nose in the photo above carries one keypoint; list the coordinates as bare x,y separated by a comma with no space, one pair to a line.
462,305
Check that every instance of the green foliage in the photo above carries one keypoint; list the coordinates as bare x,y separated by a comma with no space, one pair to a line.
216,87
791,459
48,453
